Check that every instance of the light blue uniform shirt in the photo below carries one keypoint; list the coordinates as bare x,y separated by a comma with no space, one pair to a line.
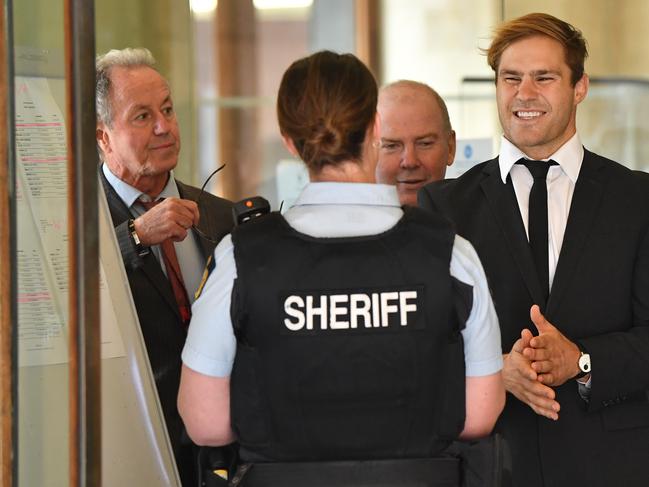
337,210
189,255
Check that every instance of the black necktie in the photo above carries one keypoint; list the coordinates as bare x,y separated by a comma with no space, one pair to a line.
538,221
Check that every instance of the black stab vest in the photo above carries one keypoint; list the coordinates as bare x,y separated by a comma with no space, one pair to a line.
347,348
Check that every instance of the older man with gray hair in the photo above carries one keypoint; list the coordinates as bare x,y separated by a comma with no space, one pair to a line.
166,229
417,140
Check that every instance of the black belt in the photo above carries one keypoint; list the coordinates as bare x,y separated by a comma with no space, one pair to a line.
424,472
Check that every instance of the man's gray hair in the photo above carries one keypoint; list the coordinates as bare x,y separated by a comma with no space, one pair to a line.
422,87
129,57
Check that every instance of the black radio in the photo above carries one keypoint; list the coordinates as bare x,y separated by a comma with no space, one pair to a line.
249,208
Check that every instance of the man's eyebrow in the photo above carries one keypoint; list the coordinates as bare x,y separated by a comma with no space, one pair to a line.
546,71
137,107
508,71
141,106
429,135
537,72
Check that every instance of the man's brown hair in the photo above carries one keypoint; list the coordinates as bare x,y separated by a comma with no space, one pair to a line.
539,24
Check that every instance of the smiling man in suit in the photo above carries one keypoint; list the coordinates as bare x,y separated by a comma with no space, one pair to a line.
166,229
563,234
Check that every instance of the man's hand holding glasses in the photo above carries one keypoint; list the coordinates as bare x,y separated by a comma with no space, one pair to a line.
171,218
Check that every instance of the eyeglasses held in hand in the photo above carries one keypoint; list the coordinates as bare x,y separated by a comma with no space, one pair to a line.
198,202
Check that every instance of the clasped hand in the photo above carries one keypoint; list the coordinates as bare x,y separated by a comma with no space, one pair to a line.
554,358
536,363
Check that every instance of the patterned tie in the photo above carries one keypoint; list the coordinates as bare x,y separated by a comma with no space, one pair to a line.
538,221
173,272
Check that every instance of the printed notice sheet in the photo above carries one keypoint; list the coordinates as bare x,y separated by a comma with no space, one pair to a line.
42,231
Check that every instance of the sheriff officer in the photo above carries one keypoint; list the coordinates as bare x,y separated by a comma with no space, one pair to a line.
349,328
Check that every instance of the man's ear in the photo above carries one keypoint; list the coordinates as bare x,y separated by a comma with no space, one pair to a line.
290,146
377,127
103,138
452,145
581,89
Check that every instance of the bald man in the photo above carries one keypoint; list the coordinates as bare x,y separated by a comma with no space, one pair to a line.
417,140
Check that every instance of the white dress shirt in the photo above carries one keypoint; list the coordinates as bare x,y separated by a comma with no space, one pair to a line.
560,181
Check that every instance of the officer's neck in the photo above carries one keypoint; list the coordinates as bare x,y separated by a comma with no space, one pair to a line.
344,172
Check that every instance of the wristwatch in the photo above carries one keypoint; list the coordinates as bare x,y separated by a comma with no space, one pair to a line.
584,364
139,248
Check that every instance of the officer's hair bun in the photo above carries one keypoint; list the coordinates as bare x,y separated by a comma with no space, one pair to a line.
326,104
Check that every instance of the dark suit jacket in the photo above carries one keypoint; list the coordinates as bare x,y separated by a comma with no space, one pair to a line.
163,332
599,297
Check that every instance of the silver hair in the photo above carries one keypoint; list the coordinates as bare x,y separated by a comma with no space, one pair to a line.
128,57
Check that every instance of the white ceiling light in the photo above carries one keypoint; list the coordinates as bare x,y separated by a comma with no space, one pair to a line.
202,9
281,4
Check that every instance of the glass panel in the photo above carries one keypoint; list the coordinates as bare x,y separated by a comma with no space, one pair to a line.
41,160
237,123
613,122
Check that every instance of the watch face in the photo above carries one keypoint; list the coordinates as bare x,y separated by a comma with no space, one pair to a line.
584,363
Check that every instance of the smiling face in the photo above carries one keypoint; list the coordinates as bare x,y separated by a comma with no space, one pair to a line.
537,103
416,146
142,144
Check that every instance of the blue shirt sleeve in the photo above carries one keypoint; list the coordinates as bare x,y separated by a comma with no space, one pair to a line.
210,346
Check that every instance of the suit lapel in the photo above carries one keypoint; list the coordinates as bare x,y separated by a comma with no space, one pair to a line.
191,193
583,212
150,265
504,205
119,212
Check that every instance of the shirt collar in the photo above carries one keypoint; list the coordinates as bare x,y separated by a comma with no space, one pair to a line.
130,195
569,157
330,193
